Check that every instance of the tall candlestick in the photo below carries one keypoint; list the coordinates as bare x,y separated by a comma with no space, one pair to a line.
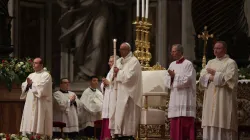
146,13
143,8
114,41
137,8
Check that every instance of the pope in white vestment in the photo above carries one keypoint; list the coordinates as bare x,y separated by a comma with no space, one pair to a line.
65,107
37,92
129,93
181,79
219,79
91,108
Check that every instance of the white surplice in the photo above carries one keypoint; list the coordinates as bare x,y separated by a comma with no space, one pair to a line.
65,111
109,99
91,108
37,114
219,114
129,96
183,90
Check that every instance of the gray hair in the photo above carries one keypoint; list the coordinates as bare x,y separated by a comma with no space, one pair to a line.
117,57
179,48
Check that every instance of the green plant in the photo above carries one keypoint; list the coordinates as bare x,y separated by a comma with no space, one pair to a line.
14,70
244,73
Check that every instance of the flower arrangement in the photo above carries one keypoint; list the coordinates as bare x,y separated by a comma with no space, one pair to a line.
14,70
244,73
4,136
20,137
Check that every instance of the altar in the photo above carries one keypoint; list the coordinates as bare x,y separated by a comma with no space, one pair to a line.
153,81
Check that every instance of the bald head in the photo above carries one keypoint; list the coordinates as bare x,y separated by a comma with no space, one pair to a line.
125,49
37,64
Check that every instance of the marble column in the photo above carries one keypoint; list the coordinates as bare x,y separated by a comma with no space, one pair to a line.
161,41
247,14
11,14
188,31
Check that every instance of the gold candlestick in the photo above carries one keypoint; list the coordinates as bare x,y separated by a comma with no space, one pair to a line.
148,55
137,52
142,42
205,36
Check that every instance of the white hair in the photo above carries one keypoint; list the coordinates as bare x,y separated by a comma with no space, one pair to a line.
117,57
128,45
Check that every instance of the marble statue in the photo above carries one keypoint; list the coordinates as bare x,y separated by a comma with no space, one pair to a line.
85,26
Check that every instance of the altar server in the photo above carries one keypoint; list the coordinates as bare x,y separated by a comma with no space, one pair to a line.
91,108
109,101
181,79
65,107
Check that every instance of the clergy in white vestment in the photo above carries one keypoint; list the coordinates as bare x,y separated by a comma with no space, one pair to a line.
128,75
109,102
37,92
91,108
181,80
219,79
65,107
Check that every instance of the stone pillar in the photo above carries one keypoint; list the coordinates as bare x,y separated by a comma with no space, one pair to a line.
11,14
5,33
247,14
161,41
188,31
174,26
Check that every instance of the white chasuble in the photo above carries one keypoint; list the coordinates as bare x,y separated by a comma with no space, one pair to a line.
220,95
37,113
129,96
66,111
183,90
91,107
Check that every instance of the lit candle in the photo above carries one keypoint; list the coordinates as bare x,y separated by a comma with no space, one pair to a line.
142,8
137,8
114,42
146,13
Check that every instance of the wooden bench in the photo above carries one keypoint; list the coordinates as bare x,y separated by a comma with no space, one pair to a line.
243,128
61,125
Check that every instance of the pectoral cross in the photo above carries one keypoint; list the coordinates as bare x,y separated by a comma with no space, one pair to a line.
205,36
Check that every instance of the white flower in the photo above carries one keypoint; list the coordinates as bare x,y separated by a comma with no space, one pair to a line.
45,68
21,63
13,135
24,66
4,139
1,134
24,138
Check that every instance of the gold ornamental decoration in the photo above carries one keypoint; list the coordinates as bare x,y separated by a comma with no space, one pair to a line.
205,36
